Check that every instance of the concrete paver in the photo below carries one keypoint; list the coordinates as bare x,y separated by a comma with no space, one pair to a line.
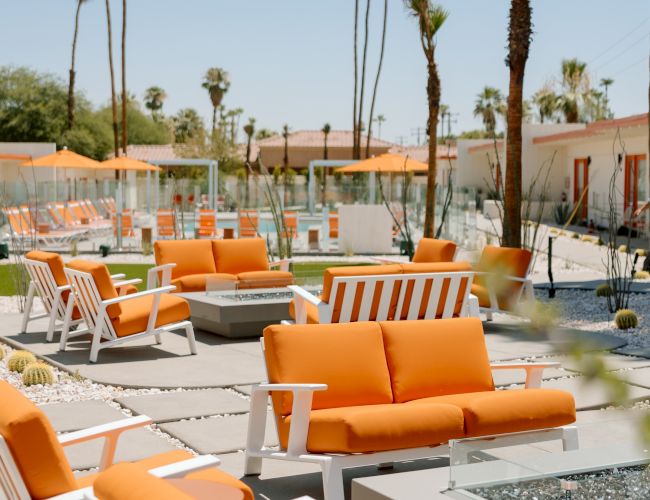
612,362
640,377
217,435
170,406
77,415
244,389
509,377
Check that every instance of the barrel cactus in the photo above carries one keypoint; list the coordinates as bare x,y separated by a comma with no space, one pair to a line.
604,290
641,275
626,318
19,360
623,249
2,353
38,373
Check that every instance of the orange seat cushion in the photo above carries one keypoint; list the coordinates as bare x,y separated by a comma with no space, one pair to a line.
135,313
218,476
512,410
501,262
33,445
190,256
434,267
197,282
436,357
312,312
482,294
432,250
346,271
265,279
127,481
381,427
240,255
103,281
127,289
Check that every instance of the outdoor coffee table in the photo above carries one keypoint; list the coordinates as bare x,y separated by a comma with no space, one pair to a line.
240,313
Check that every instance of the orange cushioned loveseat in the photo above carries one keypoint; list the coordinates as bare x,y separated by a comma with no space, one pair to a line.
374,392
241,261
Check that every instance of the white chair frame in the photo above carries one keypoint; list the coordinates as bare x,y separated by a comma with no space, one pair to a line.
332,465
93,310
14,488
526,292
390,281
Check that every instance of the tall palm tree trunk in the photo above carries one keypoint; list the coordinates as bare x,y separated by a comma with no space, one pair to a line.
374,90
72,71
124,97
363,81
323,188
356,80
520,31
113,98
433,96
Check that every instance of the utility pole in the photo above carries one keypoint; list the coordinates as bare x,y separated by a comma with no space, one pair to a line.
401,139
416,132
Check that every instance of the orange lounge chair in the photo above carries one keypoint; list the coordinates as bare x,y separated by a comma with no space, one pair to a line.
33,463
429,250
334,225
127,225
290,225
249,222
22,227
115,319
166,223
206,226
398,391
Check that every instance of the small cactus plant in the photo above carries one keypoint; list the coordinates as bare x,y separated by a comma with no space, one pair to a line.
600,242
2,353
575,236
641,275
641,252
604,290
38,373
626,318
623,249
19,360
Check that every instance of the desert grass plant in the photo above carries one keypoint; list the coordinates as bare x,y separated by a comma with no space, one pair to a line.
626,319
19,360
38,373
401,222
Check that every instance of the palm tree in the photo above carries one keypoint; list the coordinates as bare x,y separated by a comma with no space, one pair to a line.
430,19
575,89
124,96
233,115
249,130
380,119
355,144
154,98
285,161
546,101
187,125
489,104
72,71
217,83
112,71
374,90
326,132
519,38
606,83
363,82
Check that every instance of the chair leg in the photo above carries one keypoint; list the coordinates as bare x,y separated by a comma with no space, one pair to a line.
488,315
28,306
65,331
252,465
95,346
332,481
189,332
158,338
570,438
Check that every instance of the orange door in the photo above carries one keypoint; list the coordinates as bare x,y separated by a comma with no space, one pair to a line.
580,185
635,174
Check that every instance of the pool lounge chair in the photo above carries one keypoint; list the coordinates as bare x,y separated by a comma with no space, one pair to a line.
249,223
22,228
206,224
166,224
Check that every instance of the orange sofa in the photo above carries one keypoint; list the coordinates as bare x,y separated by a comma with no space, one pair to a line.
384,269
241,261
396,386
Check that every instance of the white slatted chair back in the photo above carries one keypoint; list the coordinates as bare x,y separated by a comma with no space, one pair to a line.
411,298
89,302
12,486
43,279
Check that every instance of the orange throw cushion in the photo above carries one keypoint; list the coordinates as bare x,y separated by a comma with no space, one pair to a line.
432,250
240,255
512,410
265,279
503,261
135,313
197,282
103,281
312,312
371,428
436,357
127,481
190,256
34,445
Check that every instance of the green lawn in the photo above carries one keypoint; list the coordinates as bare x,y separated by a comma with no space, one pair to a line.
305,272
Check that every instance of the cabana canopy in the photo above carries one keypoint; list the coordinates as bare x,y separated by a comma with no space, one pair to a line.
387,163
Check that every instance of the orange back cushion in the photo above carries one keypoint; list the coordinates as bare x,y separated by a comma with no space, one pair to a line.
129,481
436,357
54,261
103,281
503,261
34,446
432,250
240,255
349,358
190,256
434,267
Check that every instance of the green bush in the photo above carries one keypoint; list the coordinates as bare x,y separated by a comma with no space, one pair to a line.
625,319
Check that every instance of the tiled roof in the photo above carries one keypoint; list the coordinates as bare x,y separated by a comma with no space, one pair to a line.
488,146
315,139
421,153
596,128
150,152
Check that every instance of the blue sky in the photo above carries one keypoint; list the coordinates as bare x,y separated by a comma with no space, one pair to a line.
291,60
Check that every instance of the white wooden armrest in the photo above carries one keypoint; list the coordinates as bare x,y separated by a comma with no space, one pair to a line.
534,371
181,469
122,298
111,432
282,264
289,387
117,276
165,270
300,293
301,297
62,288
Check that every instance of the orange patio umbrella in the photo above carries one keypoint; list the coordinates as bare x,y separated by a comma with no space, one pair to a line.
126,163
387,163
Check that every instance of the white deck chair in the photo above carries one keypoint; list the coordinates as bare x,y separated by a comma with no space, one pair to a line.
93,310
